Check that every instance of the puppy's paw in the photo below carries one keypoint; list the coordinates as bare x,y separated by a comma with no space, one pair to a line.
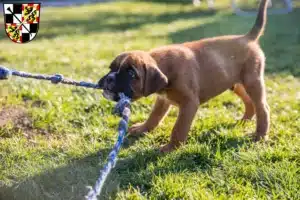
167,148
137,129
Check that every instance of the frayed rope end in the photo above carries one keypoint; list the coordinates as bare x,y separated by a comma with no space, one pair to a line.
91,195
5,73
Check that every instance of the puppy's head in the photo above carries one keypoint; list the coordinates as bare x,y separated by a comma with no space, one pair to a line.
133,73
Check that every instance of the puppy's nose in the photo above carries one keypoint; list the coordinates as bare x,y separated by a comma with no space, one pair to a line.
107,81
110,81
110,78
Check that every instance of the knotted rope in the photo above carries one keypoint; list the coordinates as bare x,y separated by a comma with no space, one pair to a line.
122,109
5,73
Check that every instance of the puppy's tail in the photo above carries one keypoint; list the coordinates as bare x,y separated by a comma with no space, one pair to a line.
259,26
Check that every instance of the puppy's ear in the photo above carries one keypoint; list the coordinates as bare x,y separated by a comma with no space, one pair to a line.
154,80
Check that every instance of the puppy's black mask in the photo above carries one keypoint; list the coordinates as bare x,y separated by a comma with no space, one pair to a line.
116,82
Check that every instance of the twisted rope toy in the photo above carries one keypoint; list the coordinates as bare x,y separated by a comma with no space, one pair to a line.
122,109
5,73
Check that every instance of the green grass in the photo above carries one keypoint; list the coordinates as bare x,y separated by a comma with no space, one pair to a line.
55,154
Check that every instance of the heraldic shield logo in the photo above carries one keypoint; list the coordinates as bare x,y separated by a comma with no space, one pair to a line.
21,21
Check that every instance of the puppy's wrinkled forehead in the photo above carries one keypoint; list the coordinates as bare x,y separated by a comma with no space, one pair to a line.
125,60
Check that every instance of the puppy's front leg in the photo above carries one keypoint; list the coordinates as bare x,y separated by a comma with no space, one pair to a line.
182,126
159,110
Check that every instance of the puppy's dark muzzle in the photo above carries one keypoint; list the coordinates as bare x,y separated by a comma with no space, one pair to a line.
108,82
114,83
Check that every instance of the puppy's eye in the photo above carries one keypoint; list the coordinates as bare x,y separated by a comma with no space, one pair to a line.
132,73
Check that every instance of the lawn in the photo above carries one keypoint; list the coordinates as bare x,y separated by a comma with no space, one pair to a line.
55,138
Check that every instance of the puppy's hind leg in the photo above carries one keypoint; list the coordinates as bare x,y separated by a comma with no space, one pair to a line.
159,111
249,106
255,87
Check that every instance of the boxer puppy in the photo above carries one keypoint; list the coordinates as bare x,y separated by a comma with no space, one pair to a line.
189,74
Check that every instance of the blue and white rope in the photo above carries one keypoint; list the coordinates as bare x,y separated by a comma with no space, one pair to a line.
122,109
5,73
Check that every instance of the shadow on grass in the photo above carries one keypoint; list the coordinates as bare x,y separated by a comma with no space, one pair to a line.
67,182
109,22
168,1
220,142
137,169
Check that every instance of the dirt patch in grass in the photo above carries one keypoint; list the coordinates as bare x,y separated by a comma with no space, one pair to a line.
16,119
13,114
